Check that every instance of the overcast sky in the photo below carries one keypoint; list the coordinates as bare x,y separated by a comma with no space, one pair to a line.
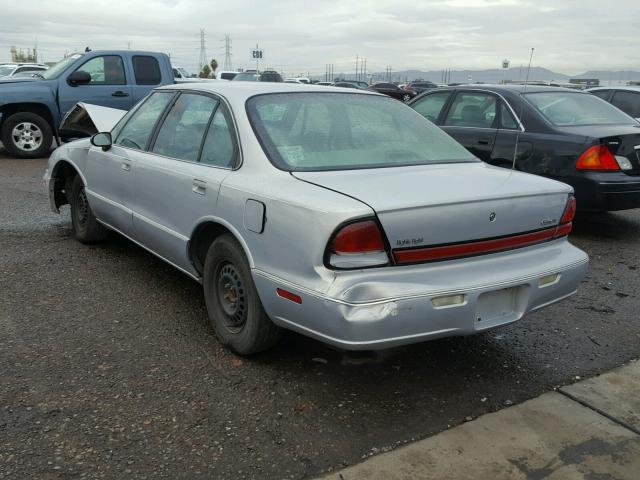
569,36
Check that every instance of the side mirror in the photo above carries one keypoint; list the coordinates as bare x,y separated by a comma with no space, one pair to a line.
79,77
102,139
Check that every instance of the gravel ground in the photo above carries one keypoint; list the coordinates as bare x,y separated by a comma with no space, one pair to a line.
110,369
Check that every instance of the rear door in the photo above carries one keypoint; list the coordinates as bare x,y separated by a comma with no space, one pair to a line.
178,180
472,120
432,105
108,86
510,131
145,73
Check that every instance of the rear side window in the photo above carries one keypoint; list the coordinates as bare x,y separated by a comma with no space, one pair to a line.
430,106
146,70
182,131
604,94
628,102
219,147
137,130
472,110
507,121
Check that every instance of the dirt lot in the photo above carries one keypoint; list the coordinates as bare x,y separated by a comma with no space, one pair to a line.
110,368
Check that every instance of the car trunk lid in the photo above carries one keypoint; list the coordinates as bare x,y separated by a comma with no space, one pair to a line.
440,204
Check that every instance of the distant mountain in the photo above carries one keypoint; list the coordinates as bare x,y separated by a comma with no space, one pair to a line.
497,75
605,75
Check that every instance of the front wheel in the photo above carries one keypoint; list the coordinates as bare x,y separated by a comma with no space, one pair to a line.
406,97
233,305
86,227
26,135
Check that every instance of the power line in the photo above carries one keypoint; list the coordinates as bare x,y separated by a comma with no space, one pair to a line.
227,52
203,52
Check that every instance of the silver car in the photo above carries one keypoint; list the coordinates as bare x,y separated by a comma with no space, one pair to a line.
341,214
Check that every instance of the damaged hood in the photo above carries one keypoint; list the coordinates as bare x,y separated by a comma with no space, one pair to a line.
85,119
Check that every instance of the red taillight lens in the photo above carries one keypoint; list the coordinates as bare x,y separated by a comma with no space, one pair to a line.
408,88
360,237
598,157
565,225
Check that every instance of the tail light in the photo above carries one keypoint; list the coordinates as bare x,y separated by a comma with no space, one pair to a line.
598,157
564,227
357,245
408,88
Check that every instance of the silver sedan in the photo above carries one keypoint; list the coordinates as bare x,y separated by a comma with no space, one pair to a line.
340,214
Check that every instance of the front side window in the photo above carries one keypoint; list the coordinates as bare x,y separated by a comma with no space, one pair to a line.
572,109
105,70
472,110
628,102
430,106
219,147
339,131
182,130
604,94
137,130
146,70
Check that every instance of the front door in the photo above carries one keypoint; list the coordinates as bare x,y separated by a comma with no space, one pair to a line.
110,174
108,86
177,182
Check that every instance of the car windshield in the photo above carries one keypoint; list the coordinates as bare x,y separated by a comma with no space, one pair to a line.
246,77
341,131
61,66
6,70
573,109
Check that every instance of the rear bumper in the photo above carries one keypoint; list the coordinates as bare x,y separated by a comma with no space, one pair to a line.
386,307
606,191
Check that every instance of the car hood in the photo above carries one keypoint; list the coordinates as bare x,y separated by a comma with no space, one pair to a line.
5,80
85,119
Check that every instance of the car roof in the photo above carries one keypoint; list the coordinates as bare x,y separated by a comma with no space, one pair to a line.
240,91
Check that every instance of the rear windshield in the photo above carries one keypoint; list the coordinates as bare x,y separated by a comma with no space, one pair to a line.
340,131
569,109
246,77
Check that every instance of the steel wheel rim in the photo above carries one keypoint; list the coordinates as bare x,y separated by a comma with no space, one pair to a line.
231,294
82,210
27,136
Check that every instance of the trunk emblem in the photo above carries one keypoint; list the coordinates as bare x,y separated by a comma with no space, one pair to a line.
492,217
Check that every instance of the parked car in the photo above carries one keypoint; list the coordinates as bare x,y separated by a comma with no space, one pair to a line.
8,70
626,98
294,80
253,76
420,86
340,214
325,84
393,91
563,134
32,108
347,85
180,72
226,75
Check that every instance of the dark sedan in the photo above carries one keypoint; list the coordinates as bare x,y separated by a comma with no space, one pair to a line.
626,98
562,134
393,91
420,86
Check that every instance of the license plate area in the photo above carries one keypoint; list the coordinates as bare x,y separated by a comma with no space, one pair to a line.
499,307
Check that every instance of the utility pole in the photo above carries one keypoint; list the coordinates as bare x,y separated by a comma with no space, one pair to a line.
203,52
356,67
365,70
227,52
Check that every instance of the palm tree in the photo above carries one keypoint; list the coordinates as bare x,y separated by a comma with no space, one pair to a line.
214,67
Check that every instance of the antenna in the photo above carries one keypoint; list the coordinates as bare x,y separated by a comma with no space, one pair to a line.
526,82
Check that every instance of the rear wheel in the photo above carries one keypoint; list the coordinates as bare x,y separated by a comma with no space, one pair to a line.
406,97
233,305
26,135
86,228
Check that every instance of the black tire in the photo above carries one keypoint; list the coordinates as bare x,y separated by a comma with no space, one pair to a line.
26,135
406,97
233,305
86,228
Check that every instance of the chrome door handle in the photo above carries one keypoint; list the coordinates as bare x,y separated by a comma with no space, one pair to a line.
126,166
199,187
